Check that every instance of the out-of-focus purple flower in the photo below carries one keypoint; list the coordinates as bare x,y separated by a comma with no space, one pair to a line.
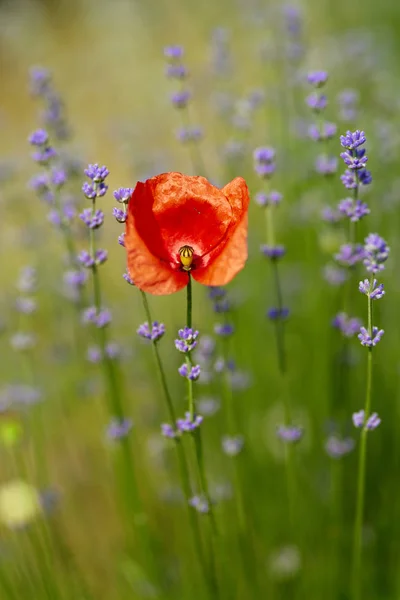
326,165
337,447
222,306
19,394
123,195
119,428
89,315
353,140
22,341
272,198
200,503
289,433
168,431
54,217
25,305
273,252
330,215
103,318
27,281
180,99
232,445
97,173
335,275
350,254
101,256
187,340
94,354
121,240
193,373
44,156
128,278
348,326
193,133
354,209
174,71
85,259
155,334
40,137
224,330
216,292
317,78
112,350
208,406
316,101
371,289
173,52
264,154
370,340
278,313
39,80
58,177
373,422
187,424
75,278
324,132
92,219
376,252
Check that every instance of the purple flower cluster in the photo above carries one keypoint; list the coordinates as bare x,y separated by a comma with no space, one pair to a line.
348,326
355,160
185,425
273,198
232,445
372,422
175,69
273,252
376,252
95,355
119,428
53,115
97,187
200,503
264,162
93,219
224,330
289,433
354,209
191,372
337,447
154,334
87,261
187,340
44,153
100,318
370,339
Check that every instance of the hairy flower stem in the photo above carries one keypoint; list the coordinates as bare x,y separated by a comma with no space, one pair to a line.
362,463
183,463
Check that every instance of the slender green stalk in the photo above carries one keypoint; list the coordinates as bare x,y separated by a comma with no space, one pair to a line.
183,463
362,464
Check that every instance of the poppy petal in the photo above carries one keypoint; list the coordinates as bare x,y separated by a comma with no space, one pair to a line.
230,256
149,273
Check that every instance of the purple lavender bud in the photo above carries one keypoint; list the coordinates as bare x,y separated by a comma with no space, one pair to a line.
289,433
222,306
112,350
353,140
264,155
336,447
187,340
92,219
335,275
58,177
25,305
22,341
119,428
121,240
119,214
89,190
89,315
187,424
103,318
200,503
85,259
325,132
40,137
181,99
273,252
94,354
265,170
374,291
54,217
189,134
208,406
193,373
373,422
101,256
96,173
354,163
39,183
75,278
350,254
317,102
370,340
326,165
232,446
358,418
39,80
275,313
156,333
176,71
123,194
354,209
216,292
128,279
364,177
317,78
330,215
224,330
376,252
44,156
348,326
173,52
168,431
349,180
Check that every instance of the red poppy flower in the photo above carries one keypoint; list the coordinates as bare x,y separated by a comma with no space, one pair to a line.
178,225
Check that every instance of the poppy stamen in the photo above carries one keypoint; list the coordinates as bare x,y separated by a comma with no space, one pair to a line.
186,256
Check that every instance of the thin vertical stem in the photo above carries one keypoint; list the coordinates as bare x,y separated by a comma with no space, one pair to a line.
362,463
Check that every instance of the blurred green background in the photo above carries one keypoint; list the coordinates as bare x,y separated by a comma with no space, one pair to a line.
107,62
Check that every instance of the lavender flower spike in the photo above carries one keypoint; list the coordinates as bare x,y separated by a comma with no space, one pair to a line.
187,340
370,340
193,373
376,252
374,291
156,332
